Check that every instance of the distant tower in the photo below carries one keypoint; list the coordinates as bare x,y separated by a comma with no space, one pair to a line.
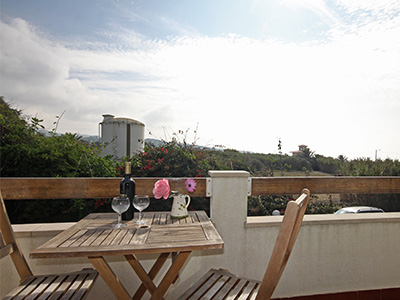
121,137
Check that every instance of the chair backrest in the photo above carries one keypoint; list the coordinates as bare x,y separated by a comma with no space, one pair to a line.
284,244
9,246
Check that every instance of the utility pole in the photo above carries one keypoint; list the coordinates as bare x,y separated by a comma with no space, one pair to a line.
280,156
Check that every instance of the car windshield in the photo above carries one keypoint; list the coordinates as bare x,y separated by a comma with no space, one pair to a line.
342,211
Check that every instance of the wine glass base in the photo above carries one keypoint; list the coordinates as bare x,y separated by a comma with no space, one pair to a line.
140,222
121,225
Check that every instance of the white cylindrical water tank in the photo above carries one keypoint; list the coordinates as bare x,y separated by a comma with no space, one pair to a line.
121,137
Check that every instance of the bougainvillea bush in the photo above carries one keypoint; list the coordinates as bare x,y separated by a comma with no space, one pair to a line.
172,159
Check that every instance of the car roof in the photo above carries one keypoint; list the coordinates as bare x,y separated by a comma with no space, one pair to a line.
360,209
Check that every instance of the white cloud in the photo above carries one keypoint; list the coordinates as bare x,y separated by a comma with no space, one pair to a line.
29,62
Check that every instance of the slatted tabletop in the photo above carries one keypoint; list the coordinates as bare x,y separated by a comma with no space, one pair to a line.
95,236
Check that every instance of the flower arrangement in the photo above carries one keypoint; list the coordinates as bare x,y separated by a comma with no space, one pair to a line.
163,190
190,185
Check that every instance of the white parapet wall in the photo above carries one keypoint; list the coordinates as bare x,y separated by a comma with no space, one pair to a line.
333,253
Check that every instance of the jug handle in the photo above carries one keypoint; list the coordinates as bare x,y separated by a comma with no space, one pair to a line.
188,197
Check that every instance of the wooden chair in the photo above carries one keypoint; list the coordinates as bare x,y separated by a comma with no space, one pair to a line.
221,284
74,285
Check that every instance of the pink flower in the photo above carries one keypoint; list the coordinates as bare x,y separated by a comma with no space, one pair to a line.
161,189
190,185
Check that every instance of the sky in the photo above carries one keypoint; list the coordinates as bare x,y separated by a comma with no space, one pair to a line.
240,74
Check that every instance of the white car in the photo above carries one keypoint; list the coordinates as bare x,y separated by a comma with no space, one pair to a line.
359,210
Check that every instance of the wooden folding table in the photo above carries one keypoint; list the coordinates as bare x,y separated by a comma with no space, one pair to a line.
95,238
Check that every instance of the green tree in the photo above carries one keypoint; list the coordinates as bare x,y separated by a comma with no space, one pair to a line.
25,152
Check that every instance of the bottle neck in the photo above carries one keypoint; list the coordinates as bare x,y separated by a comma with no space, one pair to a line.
128,170
127,185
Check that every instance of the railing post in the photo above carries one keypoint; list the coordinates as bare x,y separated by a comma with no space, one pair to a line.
228,209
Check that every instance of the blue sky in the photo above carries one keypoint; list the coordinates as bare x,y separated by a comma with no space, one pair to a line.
244,73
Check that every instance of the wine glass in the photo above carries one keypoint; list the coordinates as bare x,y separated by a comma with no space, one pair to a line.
140,202
120,205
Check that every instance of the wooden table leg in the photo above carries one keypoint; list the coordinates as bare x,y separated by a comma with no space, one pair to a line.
147,279
110,278
152,274
174,255
171,275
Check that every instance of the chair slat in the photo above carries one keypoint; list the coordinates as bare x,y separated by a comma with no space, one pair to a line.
248,290
216,286
237,289
85,287
197,285
40,288
63,287
28,289
227,287
74,287
19,288
206,286
52,287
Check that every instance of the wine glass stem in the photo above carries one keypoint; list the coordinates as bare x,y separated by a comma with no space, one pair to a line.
119,219
140,215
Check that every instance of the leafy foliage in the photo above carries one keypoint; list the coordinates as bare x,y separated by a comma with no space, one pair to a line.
265,205
367,167
25,152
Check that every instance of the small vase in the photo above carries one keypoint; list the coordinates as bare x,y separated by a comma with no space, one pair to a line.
179,206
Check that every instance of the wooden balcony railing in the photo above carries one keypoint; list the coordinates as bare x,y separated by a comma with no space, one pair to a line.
326,185
84,188
89,188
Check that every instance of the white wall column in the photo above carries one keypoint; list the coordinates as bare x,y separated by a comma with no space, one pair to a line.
228,210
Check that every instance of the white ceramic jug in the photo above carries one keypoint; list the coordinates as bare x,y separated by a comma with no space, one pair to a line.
179,206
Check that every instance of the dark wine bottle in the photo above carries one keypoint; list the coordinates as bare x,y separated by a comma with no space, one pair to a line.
127,187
